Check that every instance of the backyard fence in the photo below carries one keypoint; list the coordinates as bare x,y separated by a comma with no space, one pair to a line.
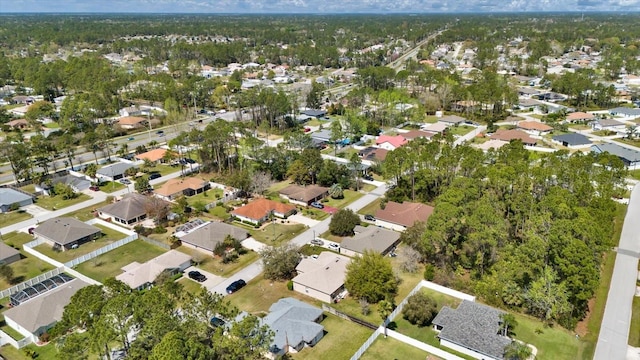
335,312
30,282
18,344
154,242
100,251
29,248
366,345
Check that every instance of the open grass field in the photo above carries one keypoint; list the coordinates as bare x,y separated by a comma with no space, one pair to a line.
341,340
109,264
14,217
56,202
276,234
390,348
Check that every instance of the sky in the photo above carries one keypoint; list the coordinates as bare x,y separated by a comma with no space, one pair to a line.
312,6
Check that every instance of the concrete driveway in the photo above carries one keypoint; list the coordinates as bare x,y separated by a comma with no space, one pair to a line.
301,219
253,244
212,279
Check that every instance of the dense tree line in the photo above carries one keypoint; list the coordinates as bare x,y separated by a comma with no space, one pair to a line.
530,230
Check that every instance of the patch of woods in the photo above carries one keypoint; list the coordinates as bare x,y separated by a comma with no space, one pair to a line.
164,322
522,231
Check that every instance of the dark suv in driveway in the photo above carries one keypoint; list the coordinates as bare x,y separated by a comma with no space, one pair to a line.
197,276
235,286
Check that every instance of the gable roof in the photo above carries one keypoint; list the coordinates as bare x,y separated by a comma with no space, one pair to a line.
406,213
136,274
572,139
609,122
177,185
508,135
73,181
114,169
474,326
372,238
303,193
292,322
260,208
322,135
46,309
153,155
580,116
625,111
325,274
628,155
131,120
7,252
9,196
437,127
372,153
452,119
395,141
414,134
65,230
131,206
210,235
534,125
314,113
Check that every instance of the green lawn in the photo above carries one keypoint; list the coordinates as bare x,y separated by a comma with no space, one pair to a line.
56,202
425,334
31,188
109,236
162,169
390,348
634,332
460,130
24,269
111,186
9,330
215,266
189,285
109,264
48,351
219,212
341,340
313,213
579,126
276,234
552,343
87,213
274,188
207,197
16,239
349,197
14,217
52,125
635,174
371,208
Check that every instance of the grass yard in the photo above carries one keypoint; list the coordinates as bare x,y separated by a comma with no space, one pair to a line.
14,217
219,212
9,330
16,239
87,213
275,187
341,340
276,234
215,265
553,342
425,334
24,269
390,348
56,202
579,126
109,264
111,186
371,208
31,188
460,130
162,169
48,351
313,213
634,332
207,197
109,236
349,197
634,174
189,285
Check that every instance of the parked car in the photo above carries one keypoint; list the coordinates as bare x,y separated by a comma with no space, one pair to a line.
154,176
197,276
125,181
369,217
307,129
217,322
317,205
317,242
160,133
235,286
368,177
131,138
94,188
334,247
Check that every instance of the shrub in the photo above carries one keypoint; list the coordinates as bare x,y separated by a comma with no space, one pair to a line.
229,257
420,309
429,272
364,307
343,222
290,285
30,353
159,230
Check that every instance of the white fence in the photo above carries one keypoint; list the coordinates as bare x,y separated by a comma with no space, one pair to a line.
445,290
30,282
113,226
422,346
366,345
29,248
101,251
7,339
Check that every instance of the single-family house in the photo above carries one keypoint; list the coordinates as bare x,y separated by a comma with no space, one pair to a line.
207,236
23,99
10,198
472,329
132,122
609,125
35,316
113,172
491,144
390,142
373,154
572,140
509,135
259,211
415,134
8,254
322,278
66,232
438,128
371,238
142,276
452,120
18,124
155,156
177,187
625,111
322,136
130,210
400,216
304,195
314,113
630,158
534,128
295,324
76,183
580,116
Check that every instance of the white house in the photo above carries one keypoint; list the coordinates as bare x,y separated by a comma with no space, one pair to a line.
322,278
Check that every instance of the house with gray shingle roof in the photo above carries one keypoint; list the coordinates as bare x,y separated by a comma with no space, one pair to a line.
66,232
295,324
572,140
114,171
472,329
8,254
9,196
128,211
208,236
630,157
369,238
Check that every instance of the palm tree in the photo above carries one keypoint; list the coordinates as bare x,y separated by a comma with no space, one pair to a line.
632,131
336,191
517,351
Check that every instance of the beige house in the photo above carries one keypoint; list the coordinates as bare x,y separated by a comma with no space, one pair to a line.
304,195
132,122
370,238
175,188
400,216
322,278
140,276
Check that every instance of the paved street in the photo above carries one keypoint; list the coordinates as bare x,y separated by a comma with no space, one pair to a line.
614,331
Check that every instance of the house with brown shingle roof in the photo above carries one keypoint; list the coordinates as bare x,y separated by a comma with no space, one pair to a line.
414,134
259,211
155,155
373,154
508,135
400,216
177,187
18,124
534,127
132,122
304,195
580,116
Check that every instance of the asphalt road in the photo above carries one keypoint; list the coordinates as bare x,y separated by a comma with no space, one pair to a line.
614,330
